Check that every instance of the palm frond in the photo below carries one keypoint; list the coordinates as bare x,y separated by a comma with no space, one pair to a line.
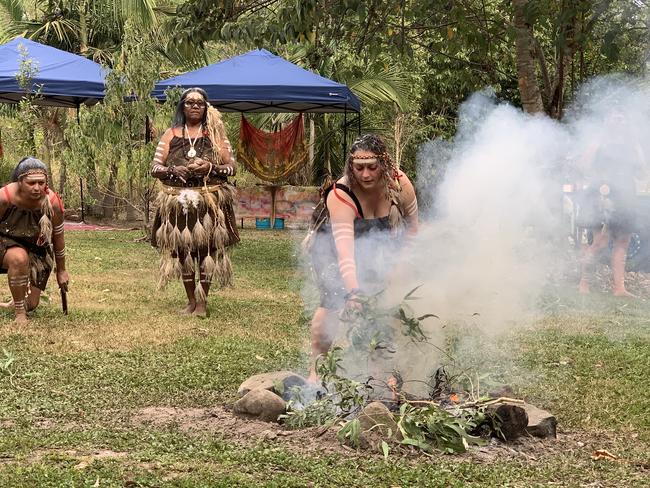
64,31
12,9
11,16
385,85
143,11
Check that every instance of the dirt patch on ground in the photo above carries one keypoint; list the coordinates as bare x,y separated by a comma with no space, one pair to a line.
222,422
317,440
84,459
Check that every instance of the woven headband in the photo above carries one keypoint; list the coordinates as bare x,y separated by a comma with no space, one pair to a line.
33,172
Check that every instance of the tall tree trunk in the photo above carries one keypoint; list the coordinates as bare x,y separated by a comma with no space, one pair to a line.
109,201
63,176
531,96
83,28
130,209
398,135
564,59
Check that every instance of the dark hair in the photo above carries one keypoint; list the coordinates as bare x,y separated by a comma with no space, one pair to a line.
26,164
179,116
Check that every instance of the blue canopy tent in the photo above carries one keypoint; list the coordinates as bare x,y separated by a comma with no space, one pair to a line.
65,79
61,79
260,81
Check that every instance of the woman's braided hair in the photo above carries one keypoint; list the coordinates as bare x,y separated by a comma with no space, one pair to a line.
390,175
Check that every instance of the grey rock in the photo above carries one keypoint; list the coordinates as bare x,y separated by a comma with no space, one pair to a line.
279,382
260,404
540,422
512,419
377,417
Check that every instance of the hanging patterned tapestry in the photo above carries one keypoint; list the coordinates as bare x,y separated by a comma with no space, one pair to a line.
272,156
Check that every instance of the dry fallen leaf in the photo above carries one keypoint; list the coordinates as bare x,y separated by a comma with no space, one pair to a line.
604,454
259,358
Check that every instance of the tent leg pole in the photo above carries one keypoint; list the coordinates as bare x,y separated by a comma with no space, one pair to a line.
147,130
81,192
81,181
345,135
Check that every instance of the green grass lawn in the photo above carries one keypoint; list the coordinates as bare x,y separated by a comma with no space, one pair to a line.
75,382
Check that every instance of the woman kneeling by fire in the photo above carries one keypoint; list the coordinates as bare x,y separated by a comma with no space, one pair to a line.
359,224
195,222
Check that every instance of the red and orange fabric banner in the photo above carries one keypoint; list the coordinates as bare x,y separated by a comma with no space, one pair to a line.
272,156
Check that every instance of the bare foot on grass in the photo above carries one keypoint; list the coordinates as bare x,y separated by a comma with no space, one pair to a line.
189,309
623,293
9,304
21,318
201,310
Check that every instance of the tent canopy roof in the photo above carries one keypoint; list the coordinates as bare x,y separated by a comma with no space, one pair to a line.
66,79
260,81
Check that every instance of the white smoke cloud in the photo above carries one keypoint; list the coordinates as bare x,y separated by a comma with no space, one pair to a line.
494,232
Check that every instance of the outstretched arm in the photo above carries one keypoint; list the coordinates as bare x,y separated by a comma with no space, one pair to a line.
342,214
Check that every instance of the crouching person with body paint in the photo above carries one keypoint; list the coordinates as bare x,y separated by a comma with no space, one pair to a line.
31,236
357,230
195,222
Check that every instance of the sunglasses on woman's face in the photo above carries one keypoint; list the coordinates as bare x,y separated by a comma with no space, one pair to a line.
194,103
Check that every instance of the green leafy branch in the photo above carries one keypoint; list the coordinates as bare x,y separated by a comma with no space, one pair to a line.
340,398
432,427
371,327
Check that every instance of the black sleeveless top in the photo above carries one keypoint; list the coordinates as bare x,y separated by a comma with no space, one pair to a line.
361,225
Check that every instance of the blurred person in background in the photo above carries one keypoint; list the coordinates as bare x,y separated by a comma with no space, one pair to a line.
609,203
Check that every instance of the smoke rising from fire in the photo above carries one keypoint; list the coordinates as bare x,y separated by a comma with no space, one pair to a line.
493,229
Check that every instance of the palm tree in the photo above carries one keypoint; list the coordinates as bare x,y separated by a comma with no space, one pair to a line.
91,28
